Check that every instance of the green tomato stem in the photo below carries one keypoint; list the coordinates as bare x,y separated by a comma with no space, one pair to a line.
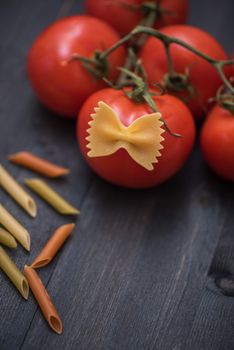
127,65
147,21
167,41
219,67
171,70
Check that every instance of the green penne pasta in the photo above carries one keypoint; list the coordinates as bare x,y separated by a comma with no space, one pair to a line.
50,196
15,228
13,273
7,239
17,192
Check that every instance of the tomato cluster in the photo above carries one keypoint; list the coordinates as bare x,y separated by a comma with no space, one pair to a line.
70,75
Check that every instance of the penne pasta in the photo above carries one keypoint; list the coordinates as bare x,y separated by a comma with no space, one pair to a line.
51,197
48,309
53,245
17,192
7,239
37,164
14,274
15,228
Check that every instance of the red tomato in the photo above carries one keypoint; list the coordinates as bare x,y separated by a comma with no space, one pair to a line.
119,14
119,168
217,142
203,75
63,89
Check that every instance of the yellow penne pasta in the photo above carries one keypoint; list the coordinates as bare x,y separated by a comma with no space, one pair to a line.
17,192
51,197
7,239
15,228
14,274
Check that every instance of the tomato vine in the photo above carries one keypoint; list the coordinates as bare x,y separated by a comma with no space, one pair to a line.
98,67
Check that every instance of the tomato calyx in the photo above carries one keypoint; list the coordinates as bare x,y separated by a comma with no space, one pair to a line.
148,6
97,66
150,10
225,99
101,64
225,94
178,82
137,90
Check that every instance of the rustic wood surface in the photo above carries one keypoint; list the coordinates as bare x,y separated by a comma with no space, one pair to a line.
144,269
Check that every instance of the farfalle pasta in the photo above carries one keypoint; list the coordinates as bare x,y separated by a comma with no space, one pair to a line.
142,139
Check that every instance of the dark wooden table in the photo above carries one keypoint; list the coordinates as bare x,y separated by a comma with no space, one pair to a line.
144,269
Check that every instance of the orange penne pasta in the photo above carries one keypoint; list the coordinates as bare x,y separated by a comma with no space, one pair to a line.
48,309
53,245
37,164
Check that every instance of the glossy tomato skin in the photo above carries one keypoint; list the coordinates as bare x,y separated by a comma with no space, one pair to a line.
119,168
123,19
203,75
63,89
217,142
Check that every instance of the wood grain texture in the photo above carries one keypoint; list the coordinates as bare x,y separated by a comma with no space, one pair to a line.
143,269
138,282
27,125
214,321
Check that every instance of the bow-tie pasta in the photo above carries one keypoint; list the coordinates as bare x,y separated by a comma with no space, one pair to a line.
142,139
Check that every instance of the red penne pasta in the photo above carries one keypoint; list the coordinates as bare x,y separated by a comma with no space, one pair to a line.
48,309
53,245
37,164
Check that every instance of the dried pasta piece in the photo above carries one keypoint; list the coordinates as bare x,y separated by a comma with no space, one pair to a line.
141,139
53,245
17,192
51,197
7,239
14,274
48,309
15,228
37,164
